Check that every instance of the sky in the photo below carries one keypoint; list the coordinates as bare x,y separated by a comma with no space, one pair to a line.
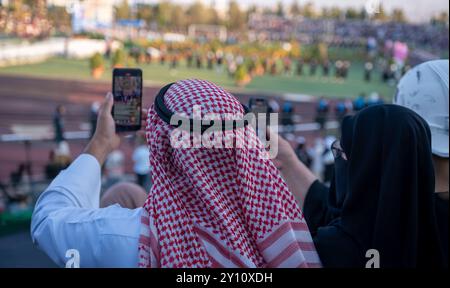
416,10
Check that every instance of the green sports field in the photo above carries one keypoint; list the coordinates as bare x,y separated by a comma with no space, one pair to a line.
156,73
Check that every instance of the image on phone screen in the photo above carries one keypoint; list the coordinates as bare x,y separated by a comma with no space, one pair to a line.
127,90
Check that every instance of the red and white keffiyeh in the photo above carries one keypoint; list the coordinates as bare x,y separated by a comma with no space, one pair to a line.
212,207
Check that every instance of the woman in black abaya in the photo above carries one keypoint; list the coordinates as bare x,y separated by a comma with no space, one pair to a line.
382,197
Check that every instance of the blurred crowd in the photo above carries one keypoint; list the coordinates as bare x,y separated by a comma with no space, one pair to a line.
348,33
383,61
369,186
313,151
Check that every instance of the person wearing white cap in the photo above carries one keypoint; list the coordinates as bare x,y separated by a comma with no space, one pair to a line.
424,90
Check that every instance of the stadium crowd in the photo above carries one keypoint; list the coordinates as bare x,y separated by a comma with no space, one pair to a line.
347,33
383,186
365,184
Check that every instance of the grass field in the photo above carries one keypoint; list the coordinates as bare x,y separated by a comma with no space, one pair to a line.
156,73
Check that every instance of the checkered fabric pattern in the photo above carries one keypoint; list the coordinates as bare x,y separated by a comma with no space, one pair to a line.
217,207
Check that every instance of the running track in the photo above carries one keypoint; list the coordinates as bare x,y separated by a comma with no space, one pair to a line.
32,101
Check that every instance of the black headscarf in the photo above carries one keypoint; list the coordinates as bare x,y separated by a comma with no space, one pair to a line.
388,202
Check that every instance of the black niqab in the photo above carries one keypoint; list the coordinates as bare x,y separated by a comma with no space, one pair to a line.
389,203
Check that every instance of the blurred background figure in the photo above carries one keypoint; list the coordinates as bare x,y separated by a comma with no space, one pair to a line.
346,69
114,168
317,165
312,67
340,110
52,168
359,103
220,61
274,106
328,160
19,176
15,197
302,152
322,112
287,116
59,159
371,47
58,123
300,64
141,167
338,69
368,68
93,117
349,105
287,64
374,99
326,68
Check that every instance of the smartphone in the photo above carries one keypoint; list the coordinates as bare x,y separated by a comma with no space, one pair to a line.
259,106
127,91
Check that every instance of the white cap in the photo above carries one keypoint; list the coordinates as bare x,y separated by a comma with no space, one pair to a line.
424,89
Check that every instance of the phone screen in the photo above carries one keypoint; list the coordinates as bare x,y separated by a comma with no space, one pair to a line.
127,91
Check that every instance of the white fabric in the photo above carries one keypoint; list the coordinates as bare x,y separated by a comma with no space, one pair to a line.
67,216
424,89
